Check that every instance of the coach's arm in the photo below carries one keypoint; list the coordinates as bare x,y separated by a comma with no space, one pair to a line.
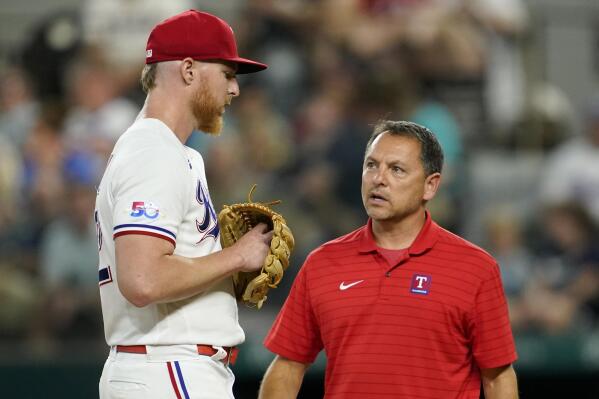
283,379
500,383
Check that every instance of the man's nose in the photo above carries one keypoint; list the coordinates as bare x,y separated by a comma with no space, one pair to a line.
233,88
378,177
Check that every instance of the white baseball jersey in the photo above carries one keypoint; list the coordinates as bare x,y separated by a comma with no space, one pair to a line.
154,185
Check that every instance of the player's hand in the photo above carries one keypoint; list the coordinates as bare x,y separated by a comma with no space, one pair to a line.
253,247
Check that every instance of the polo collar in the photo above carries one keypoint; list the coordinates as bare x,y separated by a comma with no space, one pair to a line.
424,241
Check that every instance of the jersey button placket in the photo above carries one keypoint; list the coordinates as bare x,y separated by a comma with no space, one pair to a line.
385,280
391,279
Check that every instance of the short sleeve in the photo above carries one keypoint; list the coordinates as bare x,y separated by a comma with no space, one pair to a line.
295,334
492,339
149,188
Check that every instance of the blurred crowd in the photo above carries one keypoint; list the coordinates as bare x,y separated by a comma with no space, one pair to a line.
518,180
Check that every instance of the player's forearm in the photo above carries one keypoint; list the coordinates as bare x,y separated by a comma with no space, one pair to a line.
149,275
179,277
282,380
500,383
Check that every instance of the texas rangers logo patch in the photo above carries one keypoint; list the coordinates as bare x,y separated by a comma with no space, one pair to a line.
421,284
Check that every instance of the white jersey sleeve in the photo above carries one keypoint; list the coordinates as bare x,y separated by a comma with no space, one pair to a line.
150,187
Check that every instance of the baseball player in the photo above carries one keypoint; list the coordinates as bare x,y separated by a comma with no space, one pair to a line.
170,315
402,307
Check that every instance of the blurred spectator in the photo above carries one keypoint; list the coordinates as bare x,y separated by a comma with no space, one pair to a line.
281,33
365,28
316,197
332,128
226,165
321,114
19,296
504,23
11,206
10,176
43,156
507,245
265,133
18,107
505,241
445,42
69,271
257,150
69,244
547,120
433,114
17,286
563,292
97,115
572,170
55,40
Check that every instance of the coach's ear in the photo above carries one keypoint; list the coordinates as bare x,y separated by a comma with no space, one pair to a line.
431,185
188,73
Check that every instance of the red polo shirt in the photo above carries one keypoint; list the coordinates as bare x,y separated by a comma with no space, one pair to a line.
420,328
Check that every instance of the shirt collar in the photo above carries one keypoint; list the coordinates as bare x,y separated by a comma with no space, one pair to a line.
424,241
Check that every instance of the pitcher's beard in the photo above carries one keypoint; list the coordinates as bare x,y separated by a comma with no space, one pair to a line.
207,112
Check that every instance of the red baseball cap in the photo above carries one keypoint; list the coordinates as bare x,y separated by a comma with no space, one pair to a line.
198,35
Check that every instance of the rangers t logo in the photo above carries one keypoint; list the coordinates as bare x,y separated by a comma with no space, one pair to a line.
421,284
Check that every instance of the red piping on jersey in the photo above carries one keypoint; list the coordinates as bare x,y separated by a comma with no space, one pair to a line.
173,382
144,233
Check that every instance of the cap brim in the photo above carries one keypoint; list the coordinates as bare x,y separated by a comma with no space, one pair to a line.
248,66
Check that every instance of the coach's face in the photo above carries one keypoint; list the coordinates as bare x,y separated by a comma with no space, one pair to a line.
394,183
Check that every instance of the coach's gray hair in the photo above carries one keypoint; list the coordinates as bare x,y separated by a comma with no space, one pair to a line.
431,153
148,77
